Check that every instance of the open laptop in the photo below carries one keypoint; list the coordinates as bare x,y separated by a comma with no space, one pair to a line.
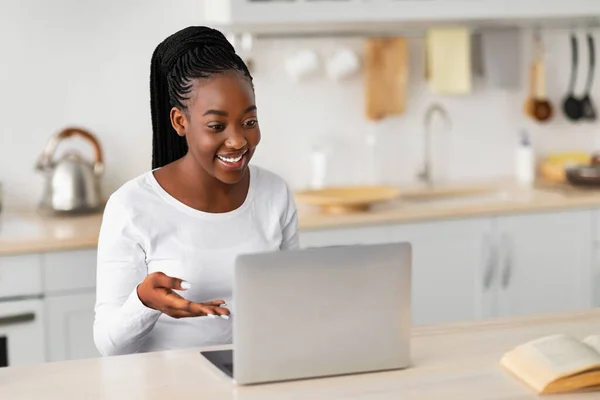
319,312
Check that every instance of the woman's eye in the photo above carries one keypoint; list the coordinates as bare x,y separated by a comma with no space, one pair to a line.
216,127
251,123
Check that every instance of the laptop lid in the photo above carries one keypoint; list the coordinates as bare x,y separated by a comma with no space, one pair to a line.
321,311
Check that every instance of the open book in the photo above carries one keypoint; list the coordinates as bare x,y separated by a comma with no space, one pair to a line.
556,363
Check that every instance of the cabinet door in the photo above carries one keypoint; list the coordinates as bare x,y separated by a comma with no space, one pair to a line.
69,333
452,263
72,270
545,263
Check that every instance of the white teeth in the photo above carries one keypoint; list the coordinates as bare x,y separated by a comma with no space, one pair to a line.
230,160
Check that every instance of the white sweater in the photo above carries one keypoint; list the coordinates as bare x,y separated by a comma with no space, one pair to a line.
145,230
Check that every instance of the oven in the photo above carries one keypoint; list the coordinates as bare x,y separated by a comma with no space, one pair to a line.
21,331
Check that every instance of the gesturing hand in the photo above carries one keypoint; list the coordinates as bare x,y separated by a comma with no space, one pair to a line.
156,291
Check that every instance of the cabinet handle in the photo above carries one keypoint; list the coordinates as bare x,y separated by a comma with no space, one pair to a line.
508,263
490,265
17,319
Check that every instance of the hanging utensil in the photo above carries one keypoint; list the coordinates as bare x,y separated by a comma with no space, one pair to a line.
530,101
542,109
587,105
572,107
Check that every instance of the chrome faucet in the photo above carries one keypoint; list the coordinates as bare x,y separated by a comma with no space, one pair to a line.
425,175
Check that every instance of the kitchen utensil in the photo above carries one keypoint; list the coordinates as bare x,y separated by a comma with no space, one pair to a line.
553,166
572,107
542,109
449,60
529,105
538,107
587,105
347,199
72,184
501,57
385,76
584,175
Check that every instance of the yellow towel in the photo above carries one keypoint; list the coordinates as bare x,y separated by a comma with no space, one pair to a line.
448,60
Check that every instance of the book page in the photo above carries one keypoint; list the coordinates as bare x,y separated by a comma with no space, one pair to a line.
593,341
542,361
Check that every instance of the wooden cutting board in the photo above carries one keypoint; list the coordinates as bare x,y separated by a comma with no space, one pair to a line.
385,77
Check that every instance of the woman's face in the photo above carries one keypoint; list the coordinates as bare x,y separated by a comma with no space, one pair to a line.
221,125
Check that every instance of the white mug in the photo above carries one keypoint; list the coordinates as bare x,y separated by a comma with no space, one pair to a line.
302,65
343,64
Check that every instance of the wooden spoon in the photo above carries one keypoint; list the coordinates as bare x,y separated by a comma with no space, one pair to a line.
530,101
542,110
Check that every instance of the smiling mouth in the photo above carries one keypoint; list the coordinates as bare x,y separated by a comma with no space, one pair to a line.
231,159
233,162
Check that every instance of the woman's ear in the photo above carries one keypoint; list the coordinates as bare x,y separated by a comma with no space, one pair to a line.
179,121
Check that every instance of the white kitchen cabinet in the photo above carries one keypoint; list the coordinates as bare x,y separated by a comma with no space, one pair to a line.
20,276
449,274
61,286
450,260
332,15
68,271
69,329
544,262
488,267
69,289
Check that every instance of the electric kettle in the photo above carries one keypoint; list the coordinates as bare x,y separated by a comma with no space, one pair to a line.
72,183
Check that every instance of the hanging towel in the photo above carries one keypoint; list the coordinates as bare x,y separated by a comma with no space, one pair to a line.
501,57
449,60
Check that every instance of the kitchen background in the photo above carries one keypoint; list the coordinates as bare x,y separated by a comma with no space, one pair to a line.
486,249
68,62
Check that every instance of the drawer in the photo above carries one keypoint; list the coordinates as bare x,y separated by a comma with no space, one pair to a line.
20,275
69,270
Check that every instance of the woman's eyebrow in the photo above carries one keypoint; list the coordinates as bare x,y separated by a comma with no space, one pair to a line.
216,112
225,114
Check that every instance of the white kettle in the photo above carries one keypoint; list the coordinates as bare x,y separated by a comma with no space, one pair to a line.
72,183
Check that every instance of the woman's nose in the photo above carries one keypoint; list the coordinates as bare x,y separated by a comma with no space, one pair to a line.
236,140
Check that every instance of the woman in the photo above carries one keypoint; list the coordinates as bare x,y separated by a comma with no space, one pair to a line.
169,238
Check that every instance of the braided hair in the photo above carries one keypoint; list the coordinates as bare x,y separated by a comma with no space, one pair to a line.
195,52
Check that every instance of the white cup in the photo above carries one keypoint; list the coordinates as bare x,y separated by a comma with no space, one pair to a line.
302,65
343,64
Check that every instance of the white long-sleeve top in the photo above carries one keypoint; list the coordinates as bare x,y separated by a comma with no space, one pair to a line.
144,230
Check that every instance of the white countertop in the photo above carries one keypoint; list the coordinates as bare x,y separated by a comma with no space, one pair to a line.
452,361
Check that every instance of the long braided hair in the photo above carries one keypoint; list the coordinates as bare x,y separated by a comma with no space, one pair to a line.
194,52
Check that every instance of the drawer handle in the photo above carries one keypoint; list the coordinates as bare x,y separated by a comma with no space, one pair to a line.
17,319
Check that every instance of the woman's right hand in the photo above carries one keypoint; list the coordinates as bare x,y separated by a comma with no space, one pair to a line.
156,291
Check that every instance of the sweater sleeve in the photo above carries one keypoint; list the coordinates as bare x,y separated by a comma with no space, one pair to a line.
290,225
122,322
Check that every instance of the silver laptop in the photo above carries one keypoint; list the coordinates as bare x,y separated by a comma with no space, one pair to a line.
319,312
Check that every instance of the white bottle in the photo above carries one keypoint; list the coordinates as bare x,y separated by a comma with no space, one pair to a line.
525,161
319,168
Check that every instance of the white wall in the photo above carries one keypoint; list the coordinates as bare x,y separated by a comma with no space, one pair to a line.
70,62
